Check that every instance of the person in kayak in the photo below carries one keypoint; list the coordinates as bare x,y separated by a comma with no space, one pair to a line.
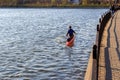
70,33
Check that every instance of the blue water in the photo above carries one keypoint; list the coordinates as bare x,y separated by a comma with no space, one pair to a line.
32,43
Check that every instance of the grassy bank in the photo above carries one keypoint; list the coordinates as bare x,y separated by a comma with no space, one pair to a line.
59,6
67,6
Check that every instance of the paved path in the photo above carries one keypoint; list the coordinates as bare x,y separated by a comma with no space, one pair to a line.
109,59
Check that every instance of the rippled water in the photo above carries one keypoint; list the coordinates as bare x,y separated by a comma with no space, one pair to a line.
32,43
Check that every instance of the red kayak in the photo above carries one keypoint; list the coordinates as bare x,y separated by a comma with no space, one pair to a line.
70,43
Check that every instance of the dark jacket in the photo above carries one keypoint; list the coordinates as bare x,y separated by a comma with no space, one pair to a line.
70,32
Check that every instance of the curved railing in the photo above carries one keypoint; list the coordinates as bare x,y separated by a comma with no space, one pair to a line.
92,69
100,28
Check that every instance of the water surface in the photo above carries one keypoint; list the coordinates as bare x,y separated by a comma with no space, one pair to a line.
32,43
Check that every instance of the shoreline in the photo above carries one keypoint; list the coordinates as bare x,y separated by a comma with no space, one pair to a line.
90,6
57,7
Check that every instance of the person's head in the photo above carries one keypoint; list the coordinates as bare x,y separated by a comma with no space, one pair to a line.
70,27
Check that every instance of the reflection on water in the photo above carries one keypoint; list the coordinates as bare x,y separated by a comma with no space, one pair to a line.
32,43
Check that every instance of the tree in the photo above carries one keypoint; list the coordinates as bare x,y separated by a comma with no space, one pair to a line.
65,2
84,2
53,2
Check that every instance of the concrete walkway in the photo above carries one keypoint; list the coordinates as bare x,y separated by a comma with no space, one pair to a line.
109,58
